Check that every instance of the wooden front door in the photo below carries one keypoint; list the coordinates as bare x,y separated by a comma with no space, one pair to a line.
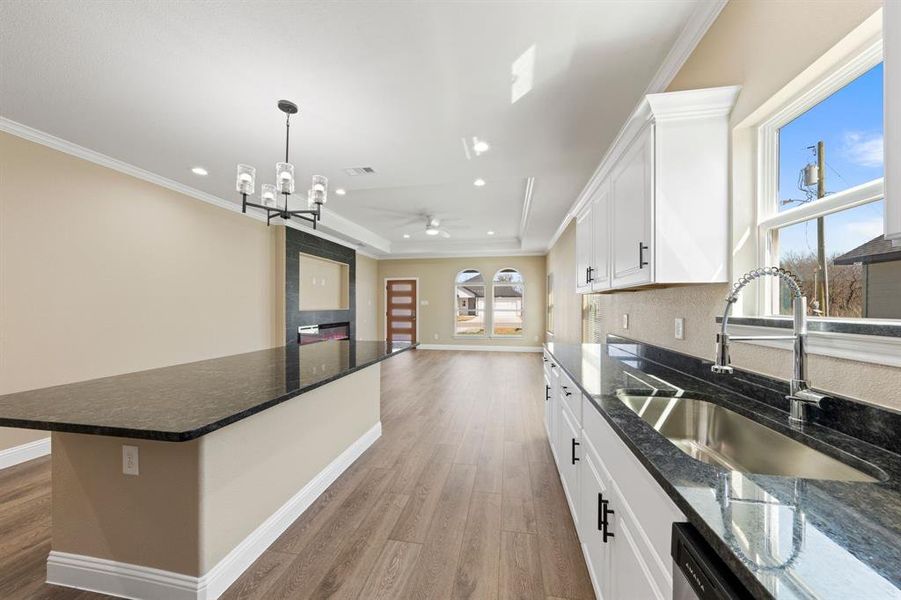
400,312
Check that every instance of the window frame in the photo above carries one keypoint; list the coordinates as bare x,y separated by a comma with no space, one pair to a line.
486,310
522,309
769,220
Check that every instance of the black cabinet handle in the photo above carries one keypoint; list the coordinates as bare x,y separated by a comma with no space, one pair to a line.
547,392
574,458
601,503
545,358
642,263
605,518
553,366
588,277
566,390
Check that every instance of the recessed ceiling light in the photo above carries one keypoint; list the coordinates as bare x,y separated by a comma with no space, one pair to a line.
406,236
340,191
200,171
478,182
490,233
480,146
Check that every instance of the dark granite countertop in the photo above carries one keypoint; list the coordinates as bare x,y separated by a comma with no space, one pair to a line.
784,537
184,402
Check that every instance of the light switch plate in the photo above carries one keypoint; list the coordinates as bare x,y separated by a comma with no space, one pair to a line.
625,320
680,328
130,460
424,302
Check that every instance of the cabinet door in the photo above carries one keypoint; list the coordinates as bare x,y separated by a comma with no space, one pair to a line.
629,573
592,492
568,441
547,404
600,262
583,249
632,189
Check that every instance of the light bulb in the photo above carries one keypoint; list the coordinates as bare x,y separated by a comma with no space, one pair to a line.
284,175
246,179
268,193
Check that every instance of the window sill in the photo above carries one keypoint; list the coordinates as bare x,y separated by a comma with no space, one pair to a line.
875,341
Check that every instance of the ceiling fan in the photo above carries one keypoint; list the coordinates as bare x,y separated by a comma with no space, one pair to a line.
433,225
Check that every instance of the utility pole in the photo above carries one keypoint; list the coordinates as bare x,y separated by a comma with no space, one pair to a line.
822,281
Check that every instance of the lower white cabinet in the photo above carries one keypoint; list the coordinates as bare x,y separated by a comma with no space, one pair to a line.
568,442
623,517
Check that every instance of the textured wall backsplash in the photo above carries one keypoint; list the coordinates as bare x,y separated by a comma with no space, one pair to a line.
651,319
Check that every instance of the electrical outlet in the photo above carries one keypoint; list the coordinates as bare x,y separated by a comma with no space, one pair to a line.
436,336
424,302
680,328
130,460
625,320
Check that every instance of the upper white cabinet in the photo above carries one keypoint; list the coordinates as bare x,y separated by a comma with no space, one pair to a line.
656,210
891,33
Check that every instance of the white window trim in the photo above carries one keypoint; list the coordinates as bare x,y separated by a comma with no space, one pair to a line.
843,71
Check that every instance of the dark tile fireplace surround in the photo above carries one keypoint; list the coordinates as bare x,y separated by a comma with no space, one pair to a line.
297,242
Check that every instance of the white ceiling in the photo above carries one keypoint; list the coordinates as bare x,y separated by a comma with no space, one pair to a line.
167,86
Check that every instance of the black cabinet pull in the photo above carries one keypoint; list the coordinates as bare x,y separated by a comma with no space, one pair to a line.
601,503
547,392
588,277
545,358
642,263
574,458
605,519
553,366
566,390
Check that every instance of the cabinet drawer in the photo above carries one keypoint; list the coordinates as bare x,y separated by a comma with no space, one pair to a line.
571,396
644,505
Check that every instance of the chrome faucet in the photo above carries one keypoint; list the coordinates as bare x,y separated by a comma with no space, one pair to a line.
800,395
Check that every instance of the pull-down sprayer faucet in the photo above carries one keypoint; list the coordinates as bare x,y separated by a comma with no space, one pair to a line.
800,395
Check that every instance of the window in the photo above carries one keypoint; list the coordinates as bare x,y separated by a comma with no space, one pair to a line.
821,211
507,294
469,298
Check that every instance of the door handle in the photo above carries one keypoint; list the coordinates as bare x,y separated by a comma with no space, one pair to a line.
642,263
574,458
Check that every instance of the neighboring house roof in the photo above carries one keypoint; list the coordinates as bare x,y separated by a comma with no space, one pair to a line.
500,292
876,250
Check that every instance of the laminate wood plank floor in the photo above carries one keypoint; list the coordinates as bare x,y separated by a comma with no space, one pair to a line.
459,498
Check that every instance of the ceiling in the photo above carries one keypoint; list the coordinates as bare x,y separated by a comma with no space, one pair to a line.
400,87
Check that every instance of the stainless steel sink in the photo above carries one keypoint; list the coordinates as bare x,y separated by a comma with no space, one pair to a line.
716,435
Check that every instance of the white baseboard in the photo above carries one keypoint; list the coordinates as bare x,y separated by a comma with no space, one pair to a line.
25,452
479,348
144,583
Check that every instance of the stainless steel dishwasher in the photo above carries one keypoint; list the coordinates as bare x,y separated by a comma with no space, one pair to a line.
698,573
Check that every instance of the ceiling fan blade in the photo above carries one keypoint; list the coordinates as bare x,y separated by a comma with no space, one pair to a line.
445,234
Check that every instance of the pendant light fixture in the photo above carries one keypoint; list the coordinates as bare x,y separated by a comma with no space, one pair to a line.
317,195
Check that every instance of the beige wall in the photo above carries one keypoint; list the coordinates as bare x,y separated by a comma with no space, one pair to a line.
754,44
561,263
193,502
102,273
324,284
436,286
367,289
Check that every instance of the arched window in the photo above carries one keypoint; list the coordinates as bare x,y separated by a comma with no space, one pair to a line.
507,315
469,312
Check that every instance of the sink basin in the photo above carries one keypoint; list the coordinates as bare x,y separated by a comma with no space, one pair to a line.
718,436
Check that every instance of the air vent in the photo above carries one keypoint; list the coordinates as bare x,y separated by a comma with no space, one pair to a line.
357,171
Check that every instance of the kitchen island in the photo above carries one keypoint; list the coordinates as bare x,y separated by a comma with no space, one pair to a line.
222,455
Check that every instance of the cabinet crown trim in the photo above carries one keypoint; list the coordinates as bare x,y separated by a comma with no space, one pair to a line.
693,104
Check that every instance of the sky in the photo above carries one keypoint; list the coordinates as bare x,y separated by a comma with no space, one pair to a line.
850,124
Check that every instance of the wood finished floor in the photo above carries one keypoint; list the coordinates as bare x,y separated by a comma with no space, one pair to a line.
458,499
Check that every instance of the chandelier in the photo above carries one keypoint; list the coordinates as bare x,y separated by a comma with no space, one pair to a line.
317,195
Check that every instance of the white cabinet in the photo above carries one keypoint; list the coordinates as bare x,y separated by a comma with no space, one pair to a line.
891,33
600,234
568,442
584,249
656,210
632,193
593,491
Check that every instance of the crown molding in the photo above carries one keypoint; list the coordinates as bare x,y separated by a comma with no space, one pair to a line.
345,227
703,16
526,207
473,254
